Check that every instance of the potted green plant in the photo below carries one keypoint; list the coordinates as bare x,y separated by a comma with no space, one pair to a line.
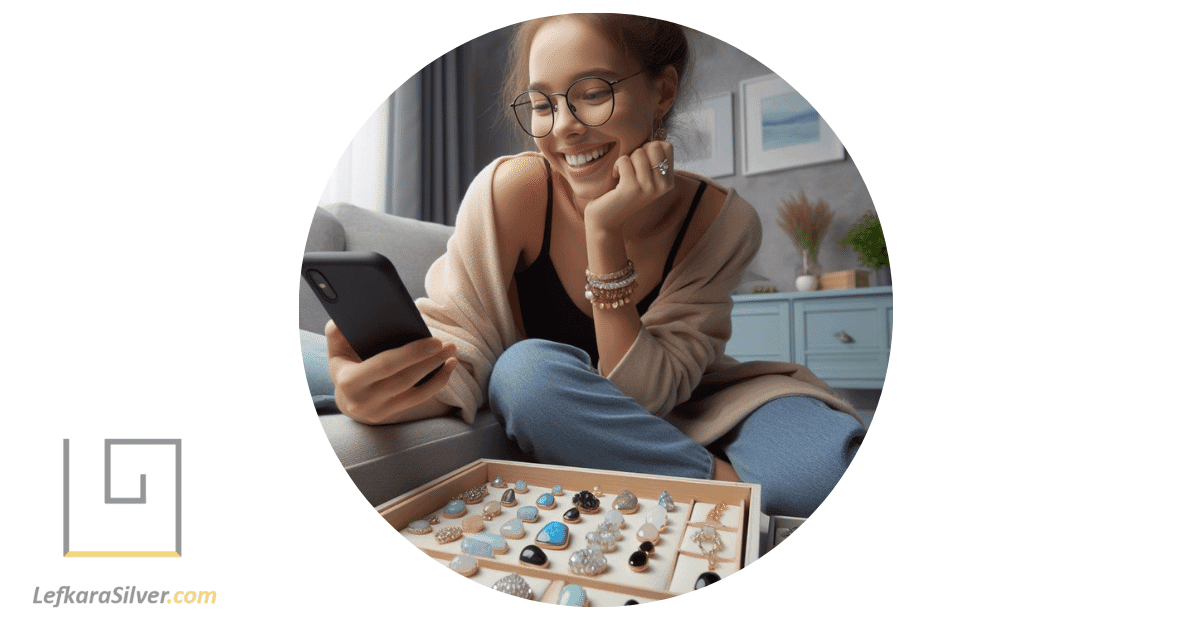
866,238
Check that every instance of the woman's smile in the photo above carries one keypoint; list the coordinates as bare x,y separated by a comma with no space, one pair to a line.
583,158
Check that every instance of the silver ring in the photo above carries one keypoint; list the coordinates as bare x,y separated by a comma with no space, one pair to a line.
662,167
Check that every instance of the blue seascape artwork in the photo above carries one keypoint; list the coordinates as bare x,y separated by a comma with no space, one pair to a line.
788,120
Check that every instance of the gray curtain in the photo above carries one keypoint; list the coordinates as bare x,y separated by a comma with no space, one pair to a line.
430,130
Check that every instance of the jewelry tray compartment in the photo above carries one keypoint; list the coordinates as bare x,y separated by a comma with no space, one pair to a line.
677,561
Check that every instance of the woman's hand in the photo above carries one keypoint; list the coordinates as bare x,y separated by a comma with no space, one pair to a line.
639,183
383,389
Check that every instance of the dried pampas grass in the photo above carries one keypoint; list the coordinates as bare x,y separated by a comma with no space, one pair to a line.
805,223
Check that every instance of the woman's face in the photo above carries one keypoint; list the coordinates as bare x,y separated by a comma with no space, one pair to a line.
569,48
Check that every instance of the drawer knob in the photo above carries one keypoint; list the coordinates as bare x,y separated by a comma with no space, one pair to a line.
844,337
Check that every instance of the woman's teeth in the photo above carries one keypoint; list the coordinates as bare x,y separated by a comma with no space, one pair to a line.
579,160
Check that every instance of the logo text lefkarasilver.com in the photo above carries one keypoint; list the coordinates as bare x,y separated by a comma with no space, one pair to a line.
120,595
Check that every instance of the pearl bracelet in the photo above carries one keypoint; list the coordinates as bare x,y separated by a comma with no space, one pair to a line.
609,298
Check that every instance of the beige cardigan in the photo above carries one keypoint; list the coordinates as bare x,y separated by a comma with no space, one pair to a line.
676,369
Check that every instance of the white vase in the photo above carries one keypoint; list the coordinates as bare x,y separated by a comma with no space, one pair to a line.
807,271
806,283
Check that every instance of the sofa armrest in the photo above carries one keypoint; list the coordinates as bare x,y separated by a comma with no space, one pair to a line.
386,461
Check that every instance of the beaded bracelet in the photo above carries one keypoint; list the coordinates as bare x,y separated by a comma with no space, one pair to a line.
610,276
592,294
609,298
613,285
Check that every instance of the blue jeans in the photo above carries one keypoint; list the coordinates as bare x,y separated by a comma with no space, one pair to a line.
316,371
561,411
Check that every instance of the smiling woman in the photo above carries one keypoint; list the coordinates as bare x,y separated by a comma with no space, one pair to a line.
585,293
627,352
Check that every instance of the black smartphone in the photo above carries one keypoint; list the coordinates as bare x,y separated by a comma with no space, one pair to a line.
366,299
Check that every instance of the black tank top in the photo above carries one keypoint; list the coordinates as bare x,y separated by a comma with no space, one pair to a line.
548,311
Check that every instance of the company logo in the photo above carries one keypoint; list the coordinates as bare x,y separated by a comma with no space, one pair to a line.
137,510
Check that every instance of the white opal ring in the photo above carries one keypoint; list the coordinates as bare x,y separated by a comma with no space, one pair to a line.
662,167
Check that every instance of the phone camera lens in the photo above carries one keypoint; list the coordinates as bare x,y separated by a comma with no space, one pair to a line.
322,284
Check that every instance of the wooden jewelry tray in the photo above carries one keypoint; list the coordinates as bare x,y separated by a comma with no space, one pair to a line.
674,566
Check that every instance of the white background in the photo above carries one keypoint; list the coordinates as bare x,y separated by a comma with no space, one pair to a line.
1030,460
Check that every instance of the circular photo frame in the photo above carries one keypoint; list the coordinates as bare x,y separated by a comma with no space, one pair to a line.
609,299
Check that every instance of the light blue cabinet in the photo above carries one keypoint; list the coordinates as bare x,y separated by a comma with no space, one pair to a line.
844,336
767,333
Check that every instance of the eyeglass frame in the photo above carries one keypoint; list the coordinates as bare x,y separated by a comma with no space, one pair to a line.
570,107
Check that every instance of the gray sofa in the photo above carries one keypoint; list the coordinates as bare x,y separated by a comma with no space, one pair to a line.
388,460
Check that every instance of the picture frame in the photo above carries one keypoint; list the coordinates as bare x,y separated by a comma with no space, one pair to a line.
705,137
781,130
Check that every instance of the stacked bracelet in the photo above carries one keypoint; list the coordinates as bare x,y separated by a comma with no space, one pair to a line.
617,275
613,285
612,290
609,298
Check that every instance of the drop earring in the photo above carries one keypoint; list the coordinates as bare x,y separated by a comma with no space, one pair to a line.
660,130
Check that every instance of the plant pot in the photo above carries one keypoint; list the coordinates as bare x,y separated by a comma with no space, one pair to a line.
806,283
883,276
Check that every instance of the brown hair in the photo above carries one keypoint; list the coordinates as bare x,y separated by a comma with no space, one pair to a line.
654,44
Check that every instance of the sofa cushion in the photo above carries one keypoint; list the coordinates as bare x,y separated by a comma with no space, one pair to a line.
411,245
325,234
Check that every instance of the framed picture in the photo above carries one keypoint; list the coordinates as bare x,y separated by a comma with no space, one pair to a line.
781,130
704,137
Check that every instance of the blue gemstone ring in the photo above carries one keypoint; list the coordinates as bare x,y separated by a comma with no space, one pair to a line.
553,535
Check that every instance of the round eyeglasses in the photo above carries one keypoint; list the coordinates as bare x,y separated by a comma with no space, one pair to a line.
590,99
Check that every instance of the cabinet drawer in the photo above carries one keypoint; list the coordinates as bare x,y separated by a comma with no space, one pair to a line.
761,331
842,328
844,341
843,336
849,370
